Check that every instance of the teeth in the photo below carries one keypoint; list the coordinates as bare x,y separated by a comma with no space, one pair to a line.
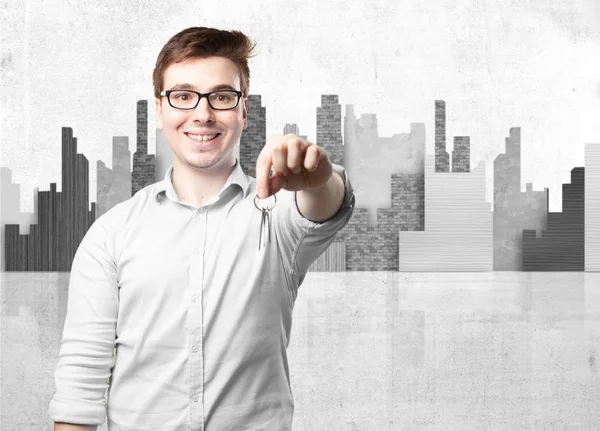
201,137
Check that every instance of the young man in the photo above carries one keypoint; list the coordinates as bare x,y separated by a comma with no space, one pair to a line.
174,277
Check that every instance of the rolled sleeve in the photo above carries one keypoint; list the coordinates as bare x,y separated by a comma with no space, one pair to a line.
86,353
302,240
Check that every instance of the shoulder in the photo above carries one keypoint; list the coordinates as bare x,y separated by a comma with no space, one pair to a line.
111,226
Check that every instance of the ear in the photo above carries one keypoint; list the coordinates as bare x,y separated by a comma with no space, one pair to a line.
158,107
245,112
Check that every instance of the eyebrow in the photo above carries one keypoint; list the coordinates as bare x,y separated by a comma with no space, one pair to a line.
187,86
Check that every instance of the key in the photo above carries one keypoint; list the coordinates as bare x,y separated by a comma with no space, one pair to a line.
265,221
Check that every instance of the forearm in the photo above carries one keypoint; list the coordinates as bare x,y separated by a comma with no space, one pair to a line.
322,203
60,426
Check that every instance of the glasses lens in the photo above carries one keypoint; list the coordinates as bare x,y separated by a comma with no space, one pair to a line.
223,99
183,99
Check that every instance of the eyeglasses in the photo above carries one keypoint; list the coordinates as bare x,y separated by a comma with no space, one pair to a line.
188,99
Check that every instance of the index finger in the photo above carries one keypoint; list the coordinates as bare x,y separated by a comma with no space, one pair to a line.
263,168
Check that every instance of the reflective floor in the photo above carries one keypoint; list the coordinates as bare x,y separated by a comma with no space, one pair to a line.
381,350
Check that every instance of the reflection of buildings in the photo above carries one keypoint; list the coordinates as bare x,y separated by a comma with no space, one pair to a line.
458,224
10,209
442,159
254,137
592,207
514,210
114,185
63,218
143,163
561,246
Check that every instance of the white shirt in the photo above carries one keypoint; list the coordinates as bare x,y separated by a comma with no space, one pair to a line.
199,316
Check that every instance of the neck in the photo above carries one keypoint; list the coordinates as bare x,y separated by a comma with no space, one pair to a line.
197,186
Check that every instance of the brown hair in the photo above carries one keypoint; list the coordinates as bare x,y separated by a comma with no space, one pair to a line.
205,42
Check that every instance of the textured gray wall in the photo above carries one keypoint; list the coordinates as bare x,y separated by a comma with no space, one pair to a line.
497,65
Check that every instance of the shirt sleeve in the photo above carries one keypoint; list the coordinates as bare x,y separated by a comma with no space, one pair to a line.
302,241
86,352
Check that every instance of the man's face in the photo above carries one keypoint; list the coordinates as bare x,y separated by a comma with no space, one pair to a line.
183,128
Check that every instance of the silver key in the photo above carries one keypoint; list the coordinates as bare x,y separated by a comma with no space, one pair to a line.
265,220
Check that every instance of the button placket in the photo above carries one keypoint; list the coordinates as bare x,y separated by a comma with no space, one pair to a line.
196,285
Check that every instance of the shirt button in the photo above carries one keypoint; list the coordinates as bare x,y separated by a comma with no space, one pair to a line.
195,349
196,398
194,298
201,210
196,251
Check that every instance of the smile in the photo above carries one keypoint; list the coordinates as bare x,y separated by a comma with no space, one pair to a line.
202,138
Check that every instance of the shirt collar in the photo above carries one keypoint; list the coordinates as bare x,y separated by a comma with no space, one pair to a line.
165,187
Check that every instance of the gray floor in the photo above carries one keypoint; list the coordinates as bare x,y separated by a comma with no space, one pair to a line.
381,350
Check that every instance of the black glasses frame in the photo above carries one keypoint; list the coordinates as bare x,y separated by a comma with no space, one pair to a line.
200,96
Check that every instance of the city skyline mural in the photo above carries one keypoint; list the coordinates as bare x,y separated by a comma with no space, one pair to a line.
438,220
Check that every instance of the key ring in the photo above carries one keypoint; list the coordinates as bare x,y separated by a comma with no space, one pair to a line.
265,219
268,209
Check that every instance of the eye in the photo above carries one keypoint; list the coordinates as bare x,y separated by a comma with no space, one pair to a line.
184,96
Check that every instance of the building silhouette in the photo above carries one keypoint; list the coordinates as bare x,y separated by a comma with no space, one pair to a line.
442,159
388,181
561,246
412,212
10,210
514,210
293,128
63,218
114,185
375,248
371,160
458,224
143,163
592,207
254,137
329,128
164,156
461,156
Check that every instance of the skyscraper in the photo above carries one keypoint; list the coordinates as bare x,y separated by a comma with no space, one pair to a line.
10,210
458,224
143,163
514,210
254,137
442,159
63,218
291,128
114,185
329,128
561,246
461,156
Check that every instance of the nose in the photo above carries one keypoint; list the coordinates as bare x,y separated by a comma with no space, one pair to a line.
203,112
